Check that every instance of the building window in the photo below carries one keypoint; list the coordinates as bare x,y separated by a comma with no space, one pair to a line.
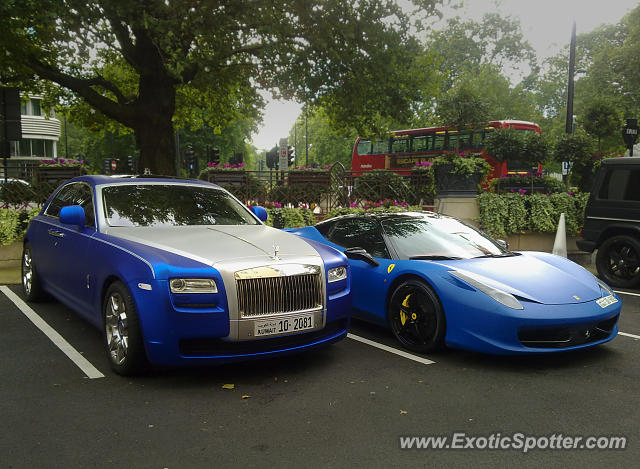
31,107
36,109
33,147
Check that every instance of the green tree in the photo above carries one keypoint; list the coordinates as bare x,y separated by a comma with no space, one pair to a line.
463,46
326,144
462,106
577,148
505,145
143,62
601,120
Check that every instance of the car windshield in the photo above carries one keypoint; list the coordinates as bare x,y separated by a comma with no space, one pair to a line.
172,205
431,237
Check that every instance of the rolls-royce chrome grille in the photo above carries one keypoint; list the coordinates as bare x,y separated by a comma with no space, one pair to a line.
267,291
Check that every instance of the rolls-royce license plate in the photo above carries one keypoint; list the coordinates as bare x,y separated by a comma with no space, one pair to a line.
283,325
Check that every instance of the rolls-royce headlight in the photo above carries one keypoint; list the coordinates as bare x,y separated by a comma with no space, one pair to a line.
193,285
336,274
500,296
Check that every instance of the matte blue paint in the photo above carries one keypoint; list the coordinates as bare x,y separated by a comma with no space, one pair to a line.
260,212
86,256
72,215
543,283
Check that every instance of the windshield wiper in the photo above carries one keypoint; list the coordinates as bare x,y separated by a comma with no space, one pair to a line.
506,254
428,257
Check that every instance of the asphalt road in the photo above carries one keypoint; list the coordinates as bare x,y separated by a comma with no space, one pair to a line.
341,406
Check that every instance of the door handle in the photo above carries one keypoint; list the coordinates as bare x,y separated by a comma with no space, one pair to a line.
55,233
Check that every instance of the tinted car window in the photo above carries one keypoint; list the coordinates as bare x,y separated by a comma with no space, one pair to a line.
434,236
358,232
621,184
78,193
172,205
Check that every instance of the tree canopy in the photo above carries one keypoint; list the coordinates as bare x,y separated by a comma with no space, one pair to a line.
145,63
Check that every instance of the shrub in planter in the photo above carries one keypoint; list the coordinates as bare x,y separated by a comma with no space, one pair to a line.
505,214
459,175
287,217
532,182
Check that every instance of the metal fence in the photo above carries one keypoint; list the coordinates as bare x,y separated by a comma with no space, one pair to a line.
30,185
327,189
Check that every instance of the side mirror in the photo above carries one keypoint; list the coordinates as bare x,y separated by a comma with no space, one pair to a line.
502,243
359,254
260,212
72,215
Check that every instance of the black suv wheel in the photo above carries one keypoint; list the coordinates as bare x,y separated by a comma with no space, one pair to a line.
618,261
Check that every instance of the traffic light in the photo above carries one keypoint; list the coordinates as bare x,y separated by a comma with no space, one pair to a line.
291,154
131,163
215,155
106,166
191,162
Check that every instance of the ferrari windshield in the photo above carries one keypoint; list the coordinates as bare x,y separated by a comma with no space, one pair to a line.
432,237
154,204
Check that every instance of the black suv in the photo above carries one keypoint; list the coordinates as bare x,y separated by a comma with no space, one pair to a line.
612,222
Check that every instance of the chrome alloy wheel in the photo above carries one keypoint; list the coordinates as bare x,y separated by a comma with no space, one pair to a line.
27,272
116,328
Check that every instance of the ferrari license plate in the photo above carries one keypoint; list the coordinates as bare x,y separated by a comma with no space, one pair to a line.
606,301
283,325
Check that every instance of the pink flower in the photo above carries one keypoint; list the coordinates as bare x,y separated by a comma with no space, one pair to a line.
354,204
277,205
522,191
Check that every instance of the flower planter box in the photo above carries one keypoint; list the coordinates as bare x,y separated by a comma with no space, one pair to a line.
56,175
450,184
232,178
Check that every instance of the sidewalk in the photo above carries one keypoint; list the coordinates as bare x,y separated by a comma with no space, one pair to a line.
10,272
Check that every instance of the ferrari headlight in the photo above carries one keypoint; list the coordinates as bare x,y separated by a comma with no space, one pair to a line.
606,289
193,285
500,296
336,274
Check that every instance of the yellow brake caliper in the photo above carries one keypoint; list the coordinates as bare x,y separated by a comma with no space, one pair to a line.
403,315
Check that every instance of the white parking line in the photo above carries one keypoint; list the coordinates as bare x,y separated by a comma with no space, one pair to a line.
51,333
424,361
627,293
637,337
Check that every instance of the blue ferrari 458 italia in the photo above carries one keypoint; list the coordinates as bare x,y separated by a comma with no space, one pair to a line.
435,280
180,272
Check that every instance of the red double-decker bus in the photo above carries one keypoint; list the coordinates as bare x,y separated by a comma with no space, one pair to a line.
404,148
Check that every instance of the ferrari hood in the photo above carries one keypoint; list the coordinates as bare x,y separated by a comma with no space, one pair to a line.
215,244
538,277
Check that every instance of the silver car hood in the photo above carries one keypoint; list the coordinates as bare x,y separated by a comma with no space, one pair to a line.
228,244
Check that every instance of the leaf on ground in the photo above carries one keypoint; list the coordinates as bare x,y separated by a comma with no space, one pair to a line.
402,412
246,396
228,386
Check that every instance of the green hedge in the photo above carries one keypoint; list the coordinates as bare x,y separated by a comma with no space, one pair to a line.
13,224
505,214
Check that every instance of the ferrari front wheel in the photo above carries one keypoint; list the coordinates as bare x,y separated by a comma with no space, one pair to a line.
416,316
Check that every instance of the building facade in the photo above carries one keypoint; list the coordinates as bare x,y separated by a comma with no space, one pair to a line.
40,132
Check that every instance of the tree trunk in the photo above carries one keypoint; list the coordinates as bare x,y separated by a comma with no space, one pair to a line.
156,141
153,126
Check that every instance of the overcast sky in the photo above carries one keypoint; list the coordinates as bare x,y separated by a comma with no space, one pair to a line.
545,23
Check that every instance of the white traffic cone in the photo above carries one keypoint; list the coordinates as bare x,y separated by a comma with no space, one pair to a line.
560,243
